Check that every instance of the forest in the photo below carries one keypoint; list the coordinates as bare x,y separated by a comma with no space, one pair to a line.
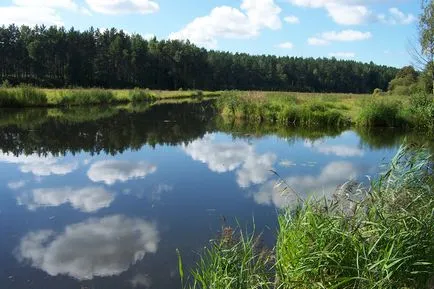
54,57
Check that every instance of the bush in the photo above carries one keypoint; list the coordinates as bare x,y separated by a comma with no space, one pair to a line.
378,92
141,95
422,111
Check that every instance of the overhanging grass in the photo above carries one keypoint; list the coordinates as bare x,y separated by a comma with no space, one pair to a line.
383,238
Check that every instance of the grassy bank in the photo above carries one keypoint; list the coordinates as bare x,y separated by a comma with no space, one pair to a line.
377,237
322,110
27,96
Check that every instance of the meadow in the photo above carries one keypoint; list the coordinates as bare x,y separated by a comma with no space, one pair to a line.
330,110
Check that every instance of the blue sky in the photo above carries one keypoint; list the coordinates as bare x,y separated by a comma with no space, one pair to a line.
363,30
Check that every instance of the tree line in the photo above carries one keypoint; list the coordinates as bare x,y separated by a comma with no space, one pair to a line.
57,57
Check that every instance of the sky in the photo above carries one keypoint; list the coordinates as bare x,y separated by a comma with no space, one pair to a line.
361,30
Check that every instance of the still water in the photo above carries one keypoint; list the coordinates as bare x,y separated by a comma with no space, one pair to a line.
102,198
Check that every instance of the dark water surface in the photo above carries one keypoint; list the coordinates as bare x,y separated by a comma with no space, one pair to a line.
102,198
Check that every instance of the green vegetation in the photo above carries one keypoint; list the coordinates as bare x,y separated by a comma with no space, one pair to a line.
233,261
22,96
28,96
56,57
330,110
377,237
283,108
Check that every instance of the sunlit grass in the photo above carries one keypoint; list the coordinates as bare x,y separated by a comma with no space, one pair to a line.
376,237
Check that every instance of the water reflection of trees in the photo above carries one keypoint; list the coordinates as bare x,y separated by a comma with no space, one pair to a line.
113,130
109,130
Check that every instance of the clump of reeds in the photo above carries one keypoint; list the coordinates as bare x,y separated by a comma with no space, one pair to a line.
234,260
284,110
22,96
77,97
141,95
381,113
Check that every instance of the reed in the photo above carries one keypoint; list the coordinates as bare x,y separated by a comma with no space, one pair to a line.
22,96
376,237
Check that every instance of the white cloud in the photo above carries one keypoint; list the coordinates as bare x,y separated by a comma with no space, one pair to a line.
89,199
341,36
17,185
343,55
346,35
316,41
338,150
229,22
334,174
123,6
291,19
97,247
65,4
352,12
112,171
349,14
286,45
40,166
397,17
29,16
241,157
287,163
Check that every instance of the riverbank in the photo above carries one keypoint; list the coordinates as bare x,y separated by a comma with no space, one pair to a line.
376,237
415,112
27,96
330,110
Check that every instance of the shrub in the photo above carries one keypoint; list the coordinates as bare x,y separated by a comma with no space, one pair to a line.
401,90
422,111
378,92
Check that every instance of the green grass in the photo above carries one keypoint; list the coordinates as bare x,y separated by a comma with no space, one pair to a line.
27,96
282,109
376,237
22,96
324,110
232,261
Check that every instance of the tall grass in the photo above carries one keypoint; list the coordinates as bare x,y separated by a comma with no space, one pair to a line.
381,113
232,261
22,96
287,110
141,95
77,97
376,237
417,113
